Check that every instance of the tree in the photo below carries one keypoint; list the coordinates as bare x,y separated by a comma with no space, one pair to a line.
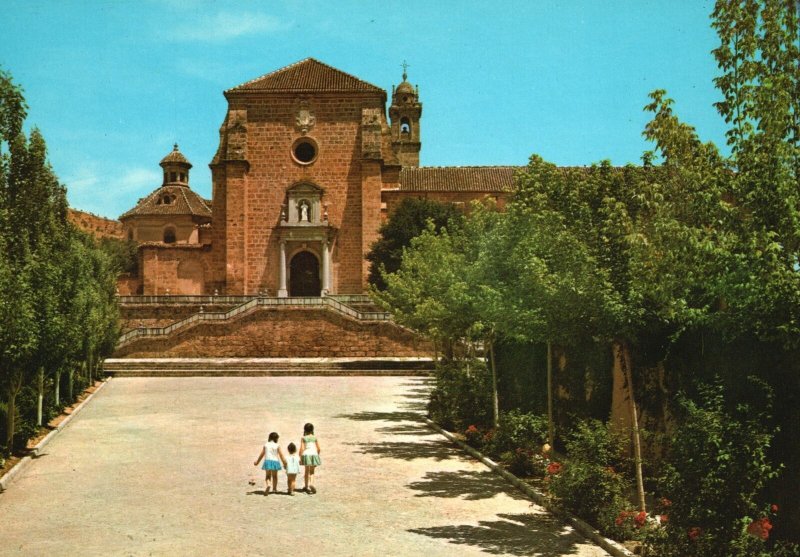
408,220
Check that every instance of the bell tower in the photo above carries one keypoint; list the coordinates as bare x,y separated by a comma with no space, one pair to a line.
405,113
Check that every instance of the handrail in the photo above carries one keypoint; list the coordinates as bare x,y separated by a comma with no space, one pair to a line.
323,302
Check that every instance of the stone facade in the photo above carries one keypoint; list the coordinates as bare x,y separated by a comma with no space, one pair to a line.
283,333
308,166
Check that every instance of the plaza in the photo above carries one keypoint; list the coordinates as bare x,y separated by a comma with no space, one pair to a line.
163,466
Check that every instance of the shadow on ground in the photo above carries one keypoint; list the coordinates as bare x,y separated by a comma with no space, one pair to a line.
408,450
471,485
367,416
516,534
415,430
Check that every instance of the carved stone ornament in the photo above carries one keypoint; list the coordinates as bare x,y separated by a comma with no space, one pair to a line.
305,119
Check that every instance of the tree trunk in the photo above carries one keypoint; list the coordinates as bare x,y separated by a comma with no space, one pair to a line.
58,389
550,427
40,395
623,352
495,397
70,387
15,385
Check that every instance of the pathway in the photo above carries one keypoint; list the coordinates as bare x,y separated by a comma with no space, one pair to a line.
161,466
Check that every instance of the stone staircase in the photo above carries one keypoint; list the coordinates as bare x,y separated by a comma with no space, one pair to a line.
260,367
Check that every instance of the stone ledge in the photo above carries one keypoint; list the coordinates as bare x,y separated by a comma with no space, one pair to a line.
9,476
614,548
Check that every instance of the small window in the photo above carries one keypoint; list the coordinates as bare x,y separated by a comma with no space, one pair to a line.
182,177
130,234
166,176
173,176
169,235
304,150
405,126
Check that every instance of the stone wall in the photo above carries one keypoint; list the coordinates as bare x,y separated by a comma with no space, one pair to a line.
248,195
283,333
174,269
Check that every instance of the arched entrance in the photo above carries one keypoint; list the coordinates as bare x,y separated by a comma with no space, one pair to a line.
304,275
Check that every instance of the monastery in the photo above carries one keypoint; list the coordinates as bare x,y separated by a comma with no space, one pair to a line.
310,162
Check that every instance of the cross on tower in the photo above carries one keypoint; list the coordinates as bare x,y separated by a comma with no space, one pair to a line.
405,66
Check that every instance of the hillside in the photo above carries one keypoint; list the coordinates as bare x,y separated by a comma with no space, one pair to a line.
100,227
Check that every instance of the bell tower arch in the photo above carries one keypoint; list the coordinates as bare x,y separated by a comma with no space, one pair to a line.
405,113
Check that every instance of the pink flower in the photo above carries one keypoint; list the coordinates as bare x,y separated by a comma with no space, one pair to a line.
694,533
774,508
663,518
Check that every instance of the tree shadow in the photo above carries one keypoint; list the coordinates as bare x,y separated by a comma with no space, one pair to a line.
406,429
541,535
368,416
473,485
405,450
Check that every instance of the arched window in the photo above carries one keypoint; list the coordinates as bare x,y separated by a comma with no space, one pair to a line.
169,235
405,125
130,234
173,176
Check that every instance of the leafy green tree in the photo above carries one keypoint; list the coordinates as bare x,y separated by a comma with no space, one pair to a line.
408,220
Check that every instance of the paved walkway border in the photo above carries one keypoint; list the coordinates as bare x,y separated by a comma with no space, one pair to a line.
9,476
584,528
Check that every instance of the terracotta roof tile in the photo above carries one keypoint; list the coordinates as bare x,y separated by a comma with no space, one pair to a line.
459,178
306,76
186,202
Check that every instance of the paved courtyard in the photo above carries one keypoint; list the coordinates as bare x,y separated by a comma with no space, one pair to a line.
161,466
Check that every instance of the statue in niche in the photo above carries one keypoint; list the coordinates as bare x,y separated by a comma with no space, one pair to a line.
304,209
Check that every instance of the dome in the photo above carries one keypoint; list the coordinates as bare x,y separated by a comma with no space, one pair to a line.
175,157
405,87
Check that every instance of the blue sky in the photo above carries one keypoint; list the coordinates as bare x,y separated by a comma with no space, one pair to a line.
112,84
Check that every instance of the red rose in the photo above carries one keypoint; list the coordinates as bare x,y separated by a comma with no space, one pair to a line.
694,533
664,519
760,528
554,468
640,519
774,508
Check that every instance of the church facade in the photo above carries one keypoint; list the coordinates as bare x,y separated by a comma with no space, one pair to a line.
309,163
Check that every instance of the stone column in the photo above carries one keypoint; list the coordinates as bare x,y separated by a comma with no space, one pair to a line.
282,292
326,264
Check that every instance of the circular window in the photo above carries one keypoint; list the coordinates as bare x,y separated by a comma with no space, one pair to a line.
304,150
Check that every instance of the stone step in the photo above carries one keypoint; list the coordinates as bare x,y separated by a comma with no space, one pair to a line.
196,367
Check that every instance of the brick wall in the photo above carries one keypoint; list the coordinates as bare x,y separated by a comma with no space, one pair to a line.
283,333
251,206
177,269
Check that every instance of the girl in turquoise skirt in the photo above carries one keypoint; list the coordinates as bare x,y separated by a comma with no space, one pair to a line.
309,457
272,455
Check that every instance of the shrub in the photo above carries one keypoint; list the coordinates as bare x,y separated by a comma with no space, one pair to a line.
716,468
518,430
462,395
589,484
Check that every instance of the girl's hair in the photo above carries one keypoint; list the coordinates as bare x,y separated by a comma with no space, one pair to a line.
273,437
291,448
308,429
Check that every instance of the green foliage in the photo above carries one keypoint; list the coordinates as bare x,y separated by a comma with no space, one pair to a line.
57,301
519,430
591,484
124,254
717,466
462,395
409,220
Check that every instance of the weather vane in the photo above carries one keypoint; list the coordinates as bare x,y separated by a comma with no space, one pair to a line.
405,66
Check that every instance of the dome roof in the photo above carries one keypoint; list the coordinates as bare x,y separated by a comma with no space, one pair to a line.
405,87
171,200
175,156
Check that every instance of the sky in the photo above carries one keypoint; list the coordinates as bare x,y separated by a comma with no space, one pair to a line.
112,84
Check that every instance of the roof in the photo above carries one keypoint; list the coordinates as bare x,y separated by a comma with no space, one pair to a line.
186,202
459,178
175,156
306,76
